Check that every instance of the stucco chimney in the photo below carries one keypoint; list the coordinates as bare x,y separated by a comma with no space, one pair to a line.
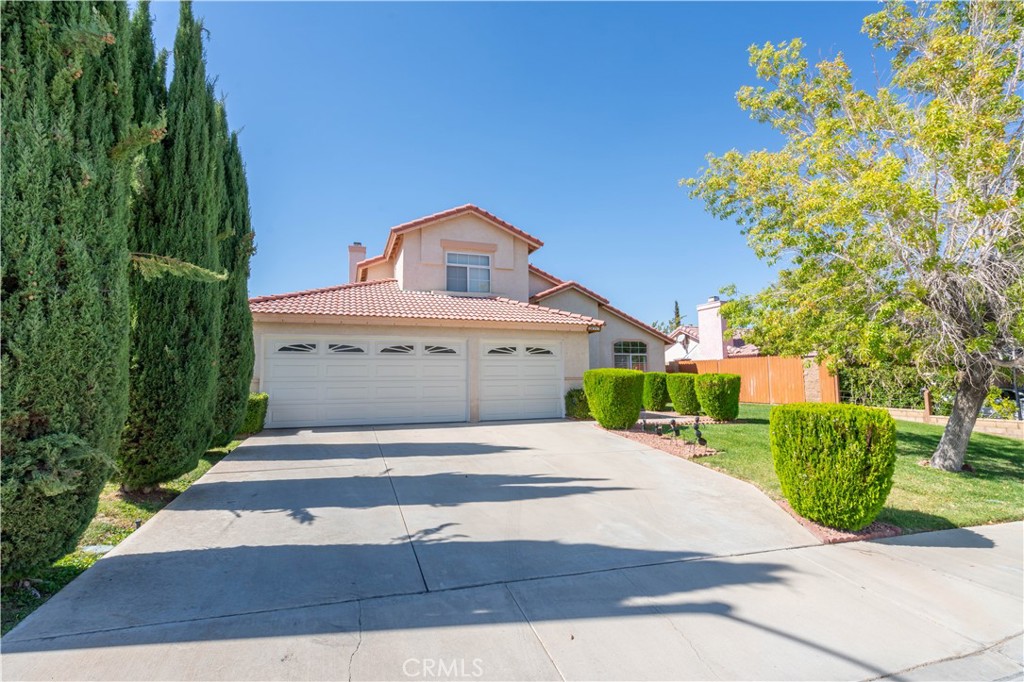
711,328
356,253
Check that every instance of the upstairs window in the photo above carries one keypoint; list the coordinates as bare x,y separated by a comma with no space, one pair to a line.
469,272
631,355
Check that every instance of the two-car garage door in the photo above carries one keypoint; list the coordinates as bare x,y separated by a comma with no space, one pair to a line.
336,381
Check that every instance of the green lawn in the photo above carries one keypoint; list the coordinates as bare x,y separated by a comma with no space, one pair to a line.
115,520
921,498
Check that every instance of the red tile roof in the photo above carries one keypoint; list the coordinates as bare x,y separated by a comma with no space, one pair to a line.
383,298
544,275
690,330
603,304
569,285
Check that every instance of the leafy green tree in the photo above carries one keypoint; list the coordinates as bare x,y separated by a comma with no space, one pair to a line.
66,115
175,321
236,343
896,213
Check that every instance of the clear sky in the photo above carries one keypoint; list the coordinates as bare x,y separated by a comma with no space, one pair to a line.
573,121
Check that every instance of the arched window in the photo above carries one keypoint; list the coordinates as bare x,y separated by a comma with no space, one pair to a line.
631,355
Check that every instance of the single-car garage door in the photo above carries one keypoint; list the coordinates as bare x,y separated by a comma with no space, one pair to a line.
520,380
337,381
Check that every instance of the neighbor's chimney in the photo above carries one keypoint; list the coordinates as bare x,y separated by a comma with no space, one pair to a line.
711,329
356,253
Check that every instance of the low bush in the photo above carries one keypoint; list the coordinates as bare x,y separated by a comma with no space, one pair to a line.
682,393
255,413
614,396
718,395
655,391
576,406
834,462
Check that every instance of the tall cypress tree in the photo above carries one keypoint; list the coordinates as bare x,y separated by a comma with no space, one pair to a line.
236,343
66,108
176,321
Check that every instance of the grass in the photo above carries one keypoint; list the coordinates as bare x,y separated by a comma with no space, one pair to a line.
921,499
117,516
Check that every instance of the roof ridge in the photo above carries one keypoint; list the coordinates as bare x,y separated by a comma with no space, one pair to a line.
569,283
319,290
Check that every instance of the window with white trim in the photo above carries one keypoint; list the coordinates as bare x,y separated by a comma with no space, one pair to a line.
439,350
468,272
631,355
538,350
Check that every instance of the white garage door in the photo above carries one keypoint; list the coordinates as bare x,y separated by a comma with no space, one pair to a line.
520,380
337,381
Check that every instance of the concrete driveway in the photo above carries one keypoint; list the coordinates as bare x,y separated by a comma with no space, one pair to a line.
513,551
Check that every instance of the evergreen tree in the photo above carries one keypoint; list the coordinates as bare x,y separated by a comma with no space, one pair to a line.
176,321
677,319
236,344
66,108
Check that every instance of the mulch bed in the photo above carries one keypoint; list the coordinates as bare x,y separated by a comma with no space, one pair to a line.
670,444
830,536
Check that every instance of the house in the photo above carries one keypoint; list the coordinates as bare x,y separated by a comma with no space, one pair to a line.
711,327
450,323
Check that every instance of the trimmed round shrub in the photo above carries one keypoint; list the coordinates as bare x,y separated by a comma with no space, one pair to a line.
655,391
718,395
835,462
255,413
576,406
614,396
682,393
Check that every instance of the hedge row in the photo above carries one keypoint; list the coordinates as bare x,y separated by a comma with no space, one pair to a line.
719,395
576,406
255,413
683,394
834,462
615,396
655,391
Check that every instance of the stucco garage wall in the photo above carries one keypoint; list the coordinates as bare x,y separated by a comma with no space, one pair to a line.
575,349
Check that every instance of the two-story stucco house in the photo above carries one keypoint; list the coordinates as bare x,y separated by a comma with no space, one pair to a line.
450,323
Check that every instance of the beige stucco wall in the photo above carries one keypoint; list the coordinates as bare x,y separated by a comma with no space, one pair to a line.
538,284
420,263
602,351
382,270
574,344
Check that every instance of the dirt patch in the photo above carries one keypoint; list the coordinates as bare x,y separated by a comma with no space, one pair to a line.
156,497
830,536
670,444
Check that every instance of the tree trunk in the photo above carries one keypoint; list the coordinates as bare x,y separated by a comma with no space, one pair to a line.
953,445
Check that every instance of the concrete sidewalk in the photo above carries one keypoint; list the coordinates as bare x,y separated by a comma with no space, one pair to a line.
515,551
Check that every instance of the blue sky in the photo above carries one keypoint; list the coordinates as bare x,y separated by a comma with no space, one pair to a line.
573,121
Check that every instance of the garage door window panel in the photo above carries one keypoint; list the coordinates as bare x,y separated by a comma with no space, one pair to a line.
468,272
398,349
297,348
345,348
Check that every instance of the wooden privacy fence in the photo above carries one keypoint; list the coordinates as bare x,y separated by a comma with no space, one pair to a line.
773,380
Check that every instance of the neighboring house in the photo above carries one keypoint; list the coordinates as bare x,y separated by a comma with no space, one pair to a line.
450,323
706,340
